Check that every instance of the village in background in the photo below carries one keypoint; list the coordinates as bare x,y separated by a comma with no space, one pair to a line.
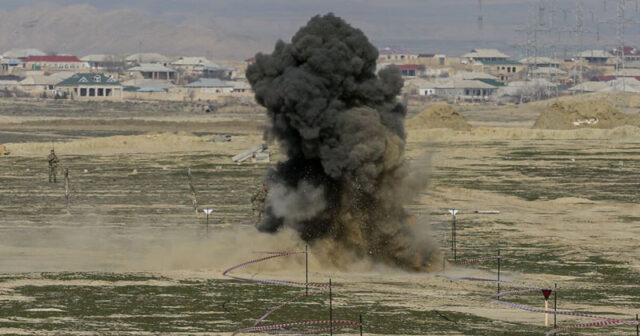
479,76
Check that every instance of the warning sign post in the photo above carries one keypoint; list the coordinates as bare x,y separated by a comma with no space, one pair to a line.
547,293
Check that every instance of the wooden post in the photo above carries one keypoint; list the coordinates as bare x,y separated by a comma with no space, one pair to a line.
330,310
306,269
194,200
361,323
637,326
499,271
66,188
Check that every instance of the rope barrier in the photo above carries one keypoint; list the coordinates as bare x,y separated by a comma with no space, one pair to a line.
603,321
280,328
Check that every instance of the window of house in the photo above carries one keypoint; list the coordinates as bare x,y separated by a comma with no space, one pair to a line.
75,91
100,92
107,92
83,92
92,92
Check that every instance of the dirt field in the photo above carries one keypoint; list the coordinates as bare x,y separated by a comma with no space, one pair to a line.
131,257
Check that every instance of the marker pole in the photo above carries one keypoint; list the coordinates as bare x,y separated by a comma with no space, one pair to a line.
207,223
499,271
555,306
306,268
330,310
637,326
361,323
546,315
455,254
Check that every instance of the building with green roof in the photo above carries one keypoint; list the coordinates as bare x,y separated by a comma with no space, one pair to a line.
90,87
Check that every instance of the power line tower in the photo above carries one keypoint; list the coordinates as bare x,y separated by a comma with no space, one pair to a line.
620,59
579,34
480,23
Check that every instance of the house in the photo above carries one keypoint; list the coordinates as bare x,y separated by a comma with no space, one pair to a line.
213,88
104,62
418,86
540,62
192,65
140,58
53,63
154,71
485,55
550,73
411,70
39,85
22,53
90,87
595,56
145,85
218,71
149,89
433,60
9,65
395,54
505,70
528,90
211,85
630,54
470,75
456,89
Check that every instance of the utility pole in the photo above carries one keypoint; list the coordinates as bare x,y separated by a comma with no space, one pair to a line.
480,23
620,22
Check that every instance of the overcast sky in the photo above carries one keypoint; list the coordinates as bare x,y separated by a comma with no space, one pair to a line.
449,26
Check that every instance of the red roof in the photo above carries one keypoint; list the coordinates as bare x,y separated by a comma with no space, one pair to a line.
52,59
408,66
250,59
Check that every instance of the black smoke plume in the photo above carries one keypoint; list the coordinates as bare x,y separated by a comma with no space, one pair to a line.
345,178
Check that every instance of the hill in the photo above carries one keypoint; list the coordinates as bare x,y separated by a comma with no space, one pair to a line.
84,29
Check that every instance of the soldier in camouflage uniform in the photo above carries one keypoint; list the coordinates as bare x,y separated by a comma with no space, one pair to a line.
53,166
258,203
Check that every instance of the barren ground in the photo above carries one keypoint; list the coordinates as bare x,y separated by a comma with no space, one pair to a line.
132,258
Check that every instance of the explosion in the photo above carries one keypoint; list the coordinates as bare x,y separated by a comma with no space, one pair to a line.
345,178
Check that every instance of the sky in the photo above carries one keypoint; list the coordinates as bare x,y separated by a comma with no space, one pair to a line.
448,26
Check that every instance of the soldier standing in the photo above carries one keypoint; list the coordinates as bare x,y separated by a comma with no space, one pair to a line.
53,166
258,201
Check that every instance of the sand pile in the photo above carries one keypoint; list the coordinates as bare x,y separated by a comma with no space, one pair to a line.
439,116
581,114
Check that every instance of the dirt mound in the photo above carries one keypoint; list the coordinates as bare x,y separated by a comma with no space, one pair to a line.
581,114
439,116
